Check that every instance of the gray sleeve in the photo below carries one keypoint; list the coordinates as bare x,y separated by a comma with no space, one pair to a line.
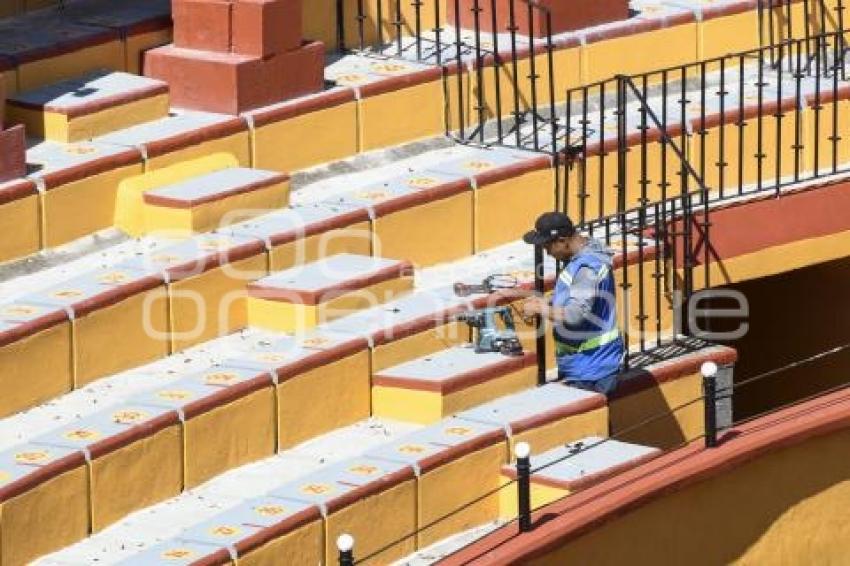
583,291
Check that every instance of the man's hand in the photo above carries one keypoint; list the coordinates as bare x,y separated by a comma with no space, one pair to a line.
534,306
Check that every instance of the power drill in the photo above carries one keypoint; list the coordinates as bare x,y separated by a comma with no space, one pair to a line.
490,336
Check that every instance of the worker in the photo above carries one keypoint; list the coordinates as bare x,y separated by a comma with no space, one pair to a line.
583,309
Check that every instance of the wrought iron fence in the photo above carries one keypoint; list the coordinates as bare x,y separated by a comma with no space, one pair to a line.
741,124
782,20
640,158
647,156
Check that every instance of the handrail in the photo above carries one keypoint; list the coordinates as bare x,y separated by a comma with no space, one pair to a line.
626,433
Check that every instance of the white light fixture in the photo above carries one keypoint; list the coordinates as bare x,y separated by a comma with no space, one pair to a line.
345,543
709,369
522,450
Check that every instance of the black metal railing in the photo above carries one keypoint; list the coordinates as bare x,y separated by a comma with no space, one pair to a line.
783,20
717,389
644,158
506,77
666,264
641,159
741,125
497,56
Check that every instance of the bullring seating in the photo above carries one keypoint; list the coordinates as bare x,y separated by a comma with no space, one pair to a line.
239,389
86,107
99,422
305,296
339,120
573,467
427,389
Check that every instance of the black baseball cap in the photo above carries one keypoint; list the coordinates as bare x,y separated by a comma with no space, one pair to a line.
548,227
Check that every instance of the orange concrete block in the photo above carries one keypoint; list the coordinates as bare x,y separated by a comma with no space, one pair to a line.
135,458
104,304
319,128
510,191
79,185
432,387
424,217
416,325
12,153
214,200
544,417
232,83
303,234
458,466
308,295
372,500
573,467
89,106
203,24
266,27
229,415
387,90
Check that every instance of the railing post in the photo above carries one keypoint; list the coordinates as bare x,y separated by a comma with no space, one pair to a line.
523,483
540,326
709,387
345,544
340,25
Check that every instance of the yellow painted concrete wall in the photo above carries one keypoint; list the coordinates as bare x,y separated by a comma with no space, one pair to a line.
789,507
668,432
44,519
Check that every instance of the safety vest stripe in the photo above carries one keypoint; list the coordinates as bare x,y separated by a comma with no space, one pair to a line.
562,349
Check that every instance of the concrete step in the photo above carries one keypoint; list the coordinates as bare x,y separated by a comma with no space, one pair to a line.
409,327
446,382
304,233
89,106
221,400
145,535
56,51
141,24
74,33
98,306
303,297
215,270
545,416
572,467
445,204
213,200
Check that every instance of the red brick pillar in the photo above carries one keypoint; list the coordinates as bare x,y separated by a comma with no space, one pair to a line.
230,56
566,15
12,145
